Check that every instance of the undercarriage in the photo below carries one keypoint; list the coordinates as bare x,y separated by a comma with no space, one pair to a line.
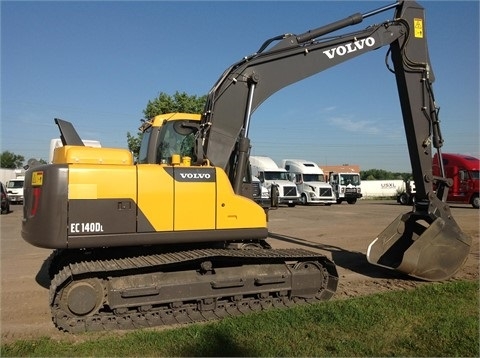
165,288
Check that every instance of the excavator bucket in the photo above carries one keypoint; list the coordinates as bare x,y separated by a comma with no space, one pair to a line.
422,245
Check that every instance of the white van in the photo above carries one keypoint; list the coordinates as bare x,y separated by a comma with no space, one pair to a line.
15,190
310,182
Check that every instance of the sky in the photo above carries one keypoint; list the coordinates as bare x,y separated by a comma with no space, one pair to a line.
98,63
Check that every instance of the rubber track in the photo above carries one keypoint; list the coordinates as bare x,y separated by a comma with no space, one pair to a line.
186,313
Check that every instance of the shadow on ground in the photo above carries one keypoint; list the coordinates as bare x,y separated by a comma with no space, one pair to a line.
350,260
43,277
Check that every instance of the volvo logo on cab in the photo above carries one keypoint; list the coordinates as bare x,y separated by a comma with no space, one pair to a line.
350,47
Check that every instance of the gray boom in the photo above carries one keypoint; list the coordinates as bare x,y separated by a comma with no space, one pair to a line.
243,87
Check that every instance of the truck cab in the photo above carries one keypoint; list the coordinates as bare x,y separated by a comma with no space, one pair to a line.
464,171
275,180
310,182
15,190
346,186
260,193
406,196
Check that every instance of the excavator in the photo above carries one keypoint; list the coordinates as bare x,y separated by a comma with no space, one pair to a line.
176,237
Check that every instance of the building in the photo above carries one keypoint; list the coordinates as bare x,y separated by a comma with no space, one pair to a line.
344,168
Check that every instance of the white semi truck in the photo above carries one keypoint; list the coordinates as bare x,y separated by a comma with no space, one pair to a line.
260,193
346,186
280,188
310,181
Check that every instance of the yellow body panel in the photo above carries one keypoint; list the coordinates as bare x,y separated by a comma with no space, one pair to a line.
194,205
236,211
155,196
102,182
170,204
70,154
167,204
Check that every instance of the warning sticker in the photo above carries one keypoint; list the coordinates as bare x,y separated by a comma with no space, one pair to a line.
418,28
37,178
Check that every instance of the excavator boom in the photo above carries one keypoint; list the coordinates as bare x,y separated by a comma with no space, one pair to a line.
416,243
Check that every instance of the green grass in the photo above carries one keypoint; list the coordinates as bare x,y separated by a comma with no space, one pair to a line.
438,319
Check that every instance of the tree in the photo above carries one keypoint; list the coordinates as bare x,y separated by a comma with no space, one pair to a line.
11,160
134,144
179,102
164,103
380,174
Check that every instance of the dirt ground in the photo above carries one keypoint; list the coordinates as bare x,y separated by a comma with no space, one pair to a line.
342,232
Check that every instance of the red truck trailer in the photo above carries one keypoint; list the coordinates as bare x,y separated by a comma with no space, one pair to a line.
464,171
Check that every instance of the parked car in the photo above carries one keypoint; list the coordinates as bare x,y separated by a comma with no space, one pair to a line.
5,201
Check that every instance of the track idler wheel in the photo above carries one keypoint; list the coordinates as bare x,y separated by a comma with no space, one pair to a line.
82,298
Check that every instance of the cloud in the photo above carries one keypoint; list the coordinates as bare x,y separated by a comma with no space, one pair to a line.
329,109
367,127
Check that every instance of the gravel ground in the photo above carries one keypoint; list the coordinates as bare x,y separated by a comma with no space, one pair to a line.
341,232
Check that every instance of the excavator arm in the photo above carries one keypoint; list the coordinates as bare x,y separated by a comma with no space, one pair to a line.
425,243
